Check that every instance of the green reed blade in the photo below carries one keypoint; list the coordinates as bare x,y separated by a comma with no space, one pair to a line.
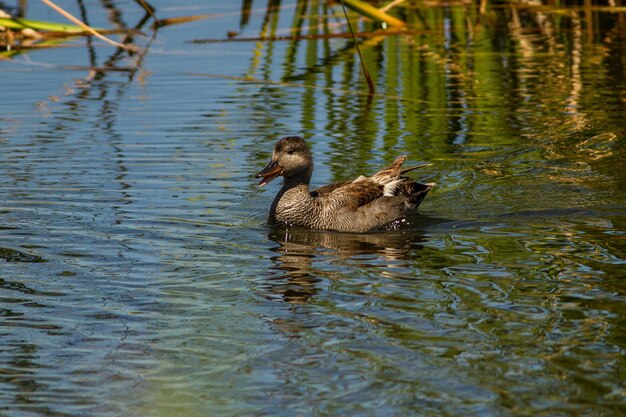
18,24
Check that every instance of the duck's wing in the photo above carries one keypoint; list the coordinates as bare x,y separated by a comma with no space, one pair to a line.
326,189
361,191
354,194
364,190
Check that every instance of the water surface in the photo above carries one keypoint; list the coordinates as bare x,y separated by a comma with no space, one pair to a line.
138,276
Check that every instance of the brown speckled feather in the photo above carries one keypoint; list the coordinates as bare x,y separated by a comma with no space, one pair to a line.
354,194
392,171
409,169
324,190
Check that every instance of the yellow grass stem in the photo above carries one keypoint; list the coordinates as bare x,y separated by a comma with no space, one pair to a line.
373,13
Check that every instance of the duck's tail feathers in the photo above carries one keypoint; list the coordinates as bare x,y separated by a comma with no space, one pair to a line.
393,170
408,169
416,192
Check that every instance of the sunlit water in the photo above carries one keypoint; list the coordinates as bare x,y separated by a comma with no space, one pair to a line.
138,276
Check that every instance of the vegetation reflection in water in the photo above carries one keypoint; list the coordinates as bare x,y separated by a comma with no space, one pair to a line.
138,275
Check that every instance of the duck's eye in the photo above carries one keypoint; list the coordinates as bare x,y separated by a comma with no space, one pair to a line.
290,151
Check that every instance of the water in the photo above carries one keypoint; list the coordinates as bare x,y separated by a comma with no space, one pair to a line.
138,276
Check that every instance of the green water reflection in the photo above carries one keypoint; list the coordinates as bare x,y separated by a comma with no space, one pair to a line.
138,276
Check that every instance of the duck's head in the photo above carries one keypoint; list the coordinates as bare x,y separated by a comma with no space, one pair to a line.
291,159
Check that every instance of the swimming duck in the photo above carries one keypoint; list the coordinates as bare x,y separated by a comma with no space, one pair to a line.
361,205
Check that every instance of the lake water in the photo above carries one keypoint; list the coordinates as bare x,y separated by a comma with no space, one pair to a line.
138,276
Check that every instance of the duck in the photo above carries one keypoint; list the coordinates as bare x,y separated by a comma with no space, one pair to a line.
361,205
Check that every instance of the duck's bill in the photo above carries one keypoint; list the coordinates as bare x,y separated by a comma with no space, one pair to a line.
269,173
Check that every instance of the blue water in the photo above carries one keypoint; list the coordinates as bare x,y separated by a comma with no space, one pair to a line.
138,276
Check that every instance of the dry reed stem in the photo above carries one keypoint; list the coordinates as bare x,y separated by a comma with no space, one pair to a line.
87,28
368,78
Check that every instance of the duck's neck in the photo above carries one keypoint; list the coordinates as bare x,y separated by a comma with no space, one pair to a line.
295,191
300,182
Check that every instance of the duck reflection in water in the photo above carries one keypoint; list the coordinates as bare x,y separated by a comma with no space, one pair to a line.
294,277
